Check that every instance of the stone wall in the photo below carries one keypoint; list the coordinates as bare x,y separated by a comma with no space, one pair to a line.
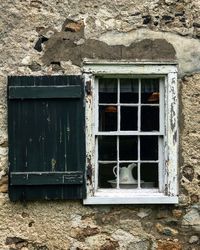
37,38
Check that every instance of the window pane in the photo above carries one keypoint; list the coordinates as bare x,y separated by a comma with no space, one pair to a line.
128,147
129,117
149,118
129,90
107,148
107,90
150,90
149,175
107,118
106,178
149,147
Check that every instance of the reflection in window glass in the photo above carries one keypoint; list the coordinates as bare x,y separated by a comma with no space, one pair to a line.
107,148
128,90
106,177
128,147
150,90
107,118
149,174
129,117
107,90
150,118
149,147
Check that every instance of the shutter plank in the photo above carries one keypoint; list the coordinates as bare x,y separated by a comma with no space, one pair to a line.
36,92
45,178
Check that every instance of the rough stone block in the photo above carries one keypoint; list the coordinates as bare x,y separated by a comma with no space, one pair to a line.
166,230
4,184
169,245
192,217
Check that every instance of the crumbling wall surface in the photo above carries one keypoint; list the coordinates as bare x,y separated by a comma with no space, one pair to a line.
190,138
69,225
39,37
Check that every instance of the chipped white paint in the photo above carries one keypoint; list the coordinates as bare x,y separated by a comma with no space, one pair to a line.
167,170
89,131
172,134
131,199
121,67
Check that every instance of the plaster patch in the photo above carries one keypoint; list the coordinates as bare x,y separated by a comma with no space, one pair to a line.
187,49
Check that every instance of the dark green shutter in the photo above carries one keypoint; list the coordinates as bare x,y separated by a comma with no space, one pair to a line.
46,137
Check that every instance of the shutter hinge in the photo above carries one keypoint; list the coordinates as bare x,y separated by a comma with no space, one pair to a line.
88,87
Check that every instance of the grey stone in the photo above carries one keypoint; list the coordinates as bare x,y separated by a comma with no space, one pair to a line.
196,228
169,2
193,239
144,213
191,218
14,240
188,172
144,245
129,241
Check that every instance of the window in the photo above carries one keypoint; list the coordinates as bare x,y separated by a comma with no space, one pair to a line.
131,133
114,127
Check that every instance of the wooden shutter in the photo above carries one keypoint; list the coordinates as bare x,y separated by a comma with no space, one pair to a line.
46,137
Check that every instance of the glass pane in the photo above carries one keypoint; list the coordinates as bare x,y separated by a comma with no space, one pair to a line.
128,147
107,90
129,117
107,178
149,118
149,147
107,118
149,175
128,175
129,90
107,148
150,90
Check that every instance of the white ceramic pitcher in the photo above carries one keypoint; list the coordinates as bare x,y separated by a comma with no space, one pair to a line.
125,174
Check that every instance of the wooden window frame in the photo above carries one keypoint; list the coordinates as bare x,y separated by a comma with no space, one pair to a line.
168,192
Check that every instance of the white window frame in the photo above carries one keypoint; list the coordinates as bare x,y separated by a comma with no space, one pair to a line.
168,176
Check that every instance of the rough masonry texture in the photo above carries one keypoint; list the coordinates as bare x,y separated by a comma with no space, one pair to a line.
52,37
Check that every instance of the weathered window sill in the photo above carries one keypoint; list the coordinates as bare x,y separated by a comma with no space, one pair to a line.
138,197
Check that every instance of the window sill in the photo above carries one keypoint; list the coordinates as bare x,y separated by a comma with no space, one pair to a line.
104,198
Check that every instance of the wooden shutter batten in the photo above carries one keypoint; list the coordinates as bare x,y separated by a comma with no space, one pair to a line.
46,178
35,92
